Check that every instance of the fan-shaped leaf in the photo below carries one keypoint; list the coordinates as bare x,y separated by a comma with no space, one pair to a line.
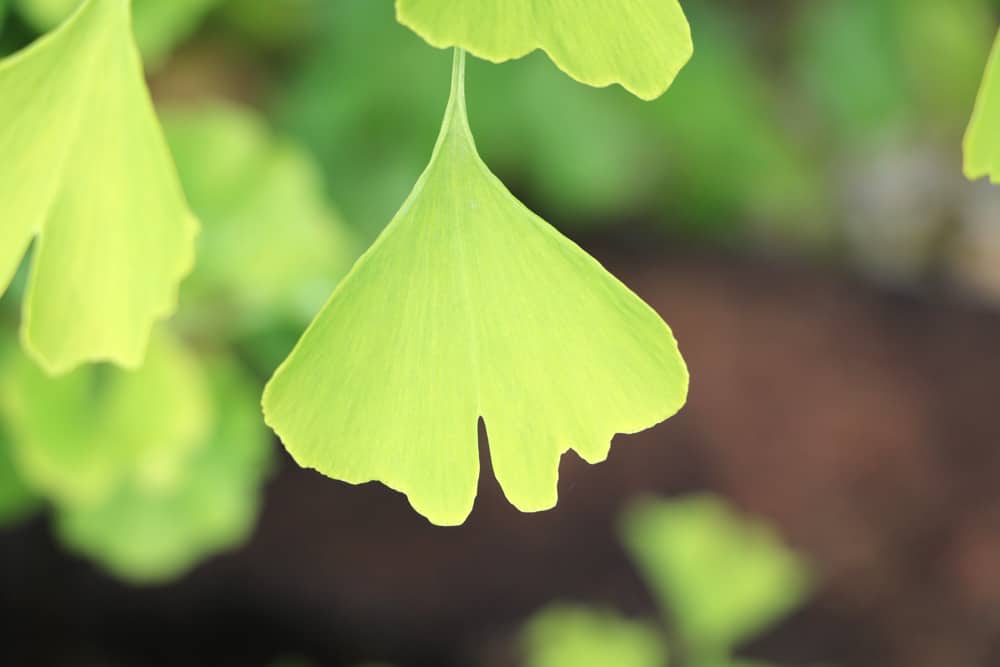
640,44
469,305
87,171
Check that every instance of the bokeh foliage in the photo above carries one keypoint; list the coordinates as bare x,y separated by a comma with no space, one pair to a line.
718,577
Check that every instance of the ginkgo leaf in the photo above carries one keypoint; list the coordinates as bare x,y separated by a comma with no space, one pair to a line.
569,636
87,171
149,534
982,140
76,437
468,305
641,44
723,577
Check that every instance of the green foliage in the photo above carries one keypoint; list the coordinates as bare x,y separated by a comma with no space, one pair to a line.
152,533
640,45
76,124
719,579
159,25
874,66
469,305
585,161
365,112
75,438
565,636
723,110
582,157
722,577
275,23
982,140
271,248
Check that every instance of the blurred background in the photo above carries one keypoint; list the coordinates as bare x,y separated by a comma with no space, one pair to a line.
794,208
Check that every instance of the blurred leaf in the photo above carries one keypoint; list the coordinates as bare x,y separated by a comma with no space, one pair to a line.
271,246
350,102
274,23
159,24
587,163
44,15
149,534
76,437
86,170
469,305
16,497
943,46
875,66
982,140
723,577
850,63
640,45
732,156
563,636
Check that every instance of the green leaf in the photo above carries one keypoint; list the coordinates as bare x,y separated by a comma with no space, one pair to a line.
86,169
76,437
151,534
641,45
469,305
723,577
565,636
262,205
982,140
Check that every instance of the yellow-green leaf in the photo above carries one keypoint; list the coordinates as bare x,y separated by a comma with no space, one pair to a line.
982,140
568,636
149,534
641,44
468,305
722,577
76,437
87,172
